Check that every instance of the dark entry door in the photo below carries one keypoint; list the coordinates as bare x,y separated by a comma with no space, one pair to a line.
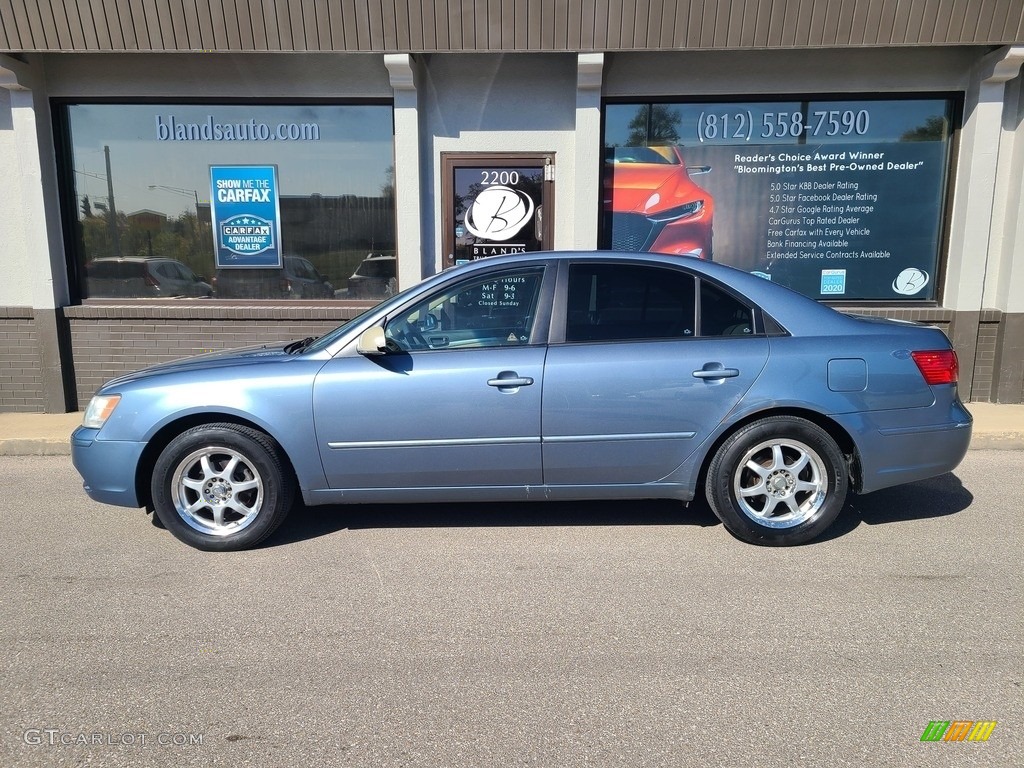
496,204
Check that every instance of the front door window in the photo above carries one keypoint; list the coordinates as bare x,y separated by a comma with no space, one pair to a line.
493,311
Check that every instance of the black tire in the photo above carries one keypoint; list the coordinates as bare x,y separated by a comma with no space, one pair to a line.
796,494
221,487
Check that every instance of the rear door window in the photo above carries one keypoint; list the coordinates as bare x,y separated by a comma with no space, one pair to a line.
612,302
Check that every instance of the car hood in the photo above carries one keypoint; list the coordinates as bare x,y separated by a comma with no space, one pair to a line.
211,360
635,185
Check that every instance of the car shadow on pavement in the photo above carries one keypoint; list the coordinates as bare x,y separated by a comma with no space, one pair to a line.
935,497
312,522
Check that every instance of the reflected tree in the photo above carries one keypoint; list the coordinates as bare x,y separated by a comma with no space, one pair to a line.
935,128
654,124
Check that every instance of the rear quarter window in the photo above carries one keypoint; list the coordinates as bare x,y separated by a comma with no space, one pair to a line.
722,314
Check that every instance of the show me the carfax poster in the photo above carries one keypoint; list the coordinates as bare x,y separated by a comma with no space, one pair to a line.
246,215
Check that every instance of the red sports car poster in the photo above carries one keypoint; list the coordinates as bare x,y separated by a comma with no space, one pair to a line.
838,200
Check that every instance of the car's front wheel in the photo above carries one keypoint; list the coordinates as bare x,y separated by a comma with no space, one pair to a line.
778,481
221,487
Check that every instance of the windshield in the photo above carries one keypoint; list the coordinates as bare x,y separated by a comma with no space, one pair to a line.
329,338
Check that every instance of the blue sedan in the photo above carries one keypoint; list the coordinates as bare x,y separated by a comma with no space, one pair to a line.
540,376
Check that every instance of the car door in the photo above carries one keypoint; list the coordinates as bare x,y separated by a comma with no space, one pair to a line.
636,385
455,402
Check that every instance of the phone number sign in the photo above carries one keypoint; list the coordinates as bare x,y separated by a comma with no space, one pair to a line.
246,215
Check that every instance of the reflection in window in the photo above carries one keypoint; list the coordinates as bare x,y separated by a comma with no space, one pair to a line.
617,301
140,177
496,311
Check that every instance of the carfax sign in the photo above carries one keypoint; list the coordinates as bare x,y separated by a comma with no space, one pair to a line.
246,215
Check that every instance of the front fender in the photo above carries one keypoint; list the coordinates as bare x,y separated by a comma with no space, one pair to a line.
275,398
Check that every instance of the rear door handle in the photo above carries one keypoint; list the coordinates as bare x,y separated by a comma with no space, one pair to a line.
716,371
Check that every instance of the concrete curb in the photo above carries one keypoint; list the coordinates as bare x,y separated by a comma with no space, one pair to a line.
1009,441
27,446
37,434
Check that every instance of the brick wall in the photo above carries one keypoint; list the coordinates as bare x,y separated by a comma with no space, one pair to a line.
108,341
21,377
984,363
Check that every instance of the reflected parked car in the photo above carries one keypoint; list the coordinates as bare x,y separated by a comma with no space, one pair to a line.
541,376
297,278
654,203
374,278
142,278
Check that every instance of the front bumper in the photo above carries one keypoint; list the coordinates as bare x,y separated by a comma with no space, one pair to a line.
107,467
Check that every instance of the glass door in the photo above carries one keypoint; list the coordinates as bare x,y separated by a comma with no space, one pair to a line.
496,204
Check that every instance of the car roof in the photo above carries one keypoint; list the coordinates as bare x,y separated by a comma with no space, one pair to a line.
132,259
786,305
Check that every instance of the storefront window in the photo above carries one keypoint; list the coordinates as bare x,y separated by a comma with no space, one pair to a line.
838,199
264,202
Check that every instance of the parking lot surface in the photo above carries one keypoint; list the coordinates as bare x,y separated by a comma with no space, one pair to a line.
590,634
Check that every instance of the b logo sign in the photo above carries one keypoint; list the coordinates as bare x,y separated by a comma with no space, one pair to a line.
498,213
910,281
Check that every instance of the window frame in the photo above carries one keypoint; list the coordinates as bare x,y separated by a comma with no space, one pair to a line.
560,308
539,333
74,250
957,117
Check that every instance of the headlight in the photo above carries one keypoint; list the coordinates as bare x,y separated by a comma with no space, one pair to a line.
679,212
99,410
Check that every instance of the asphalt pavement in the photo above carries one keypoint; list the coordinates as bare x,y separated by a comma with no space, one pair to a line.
584,635
996,426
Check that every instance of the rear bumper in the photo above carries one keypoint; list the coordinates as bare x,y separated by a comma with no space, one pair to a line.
107,467
892,451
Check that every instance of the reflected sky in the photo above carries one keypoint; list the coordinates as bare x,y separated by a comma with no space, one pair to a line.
886,120
350,156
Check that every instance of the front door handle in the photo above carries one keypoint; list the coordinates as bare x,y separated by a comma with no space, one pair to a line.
716,371
509,380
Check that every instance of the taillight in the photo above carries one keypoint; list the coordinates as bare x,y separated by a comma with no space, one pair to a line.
938,366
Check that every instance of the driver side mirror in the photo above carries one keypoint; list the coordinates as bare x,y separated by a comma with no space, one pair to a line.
372,342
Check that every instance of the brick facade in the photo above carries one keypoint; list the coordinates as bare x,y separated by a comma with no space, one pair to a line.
109,341
21,376
985,374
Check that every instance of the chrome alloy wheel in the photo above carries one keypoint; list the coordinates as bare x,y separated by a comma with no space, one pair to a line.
780,483
217,491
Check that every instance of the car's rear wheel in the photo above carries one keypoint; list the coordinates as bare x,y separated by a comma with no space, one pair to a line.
221,487
778,481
